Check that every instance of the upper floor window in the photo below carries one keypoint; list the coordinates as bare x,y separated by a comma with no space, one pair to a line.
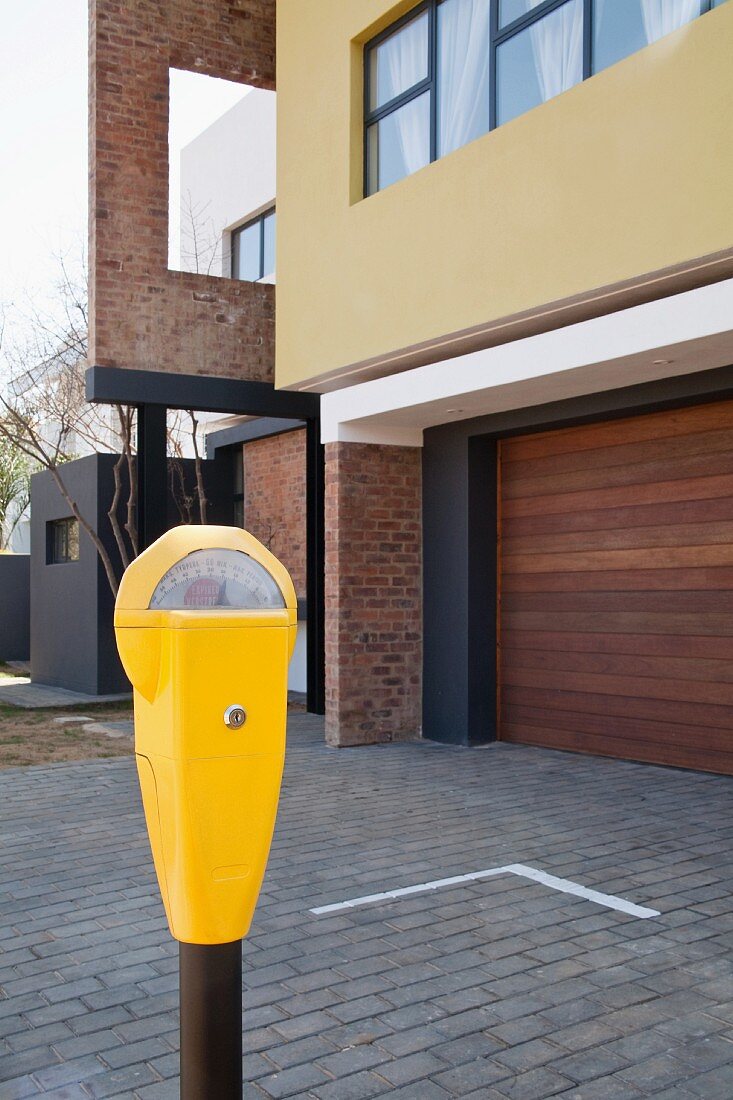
451,70
253,248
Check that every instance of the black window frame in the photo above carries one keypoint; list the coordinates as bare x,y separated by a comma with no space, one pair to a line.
497,37
236,234
58,541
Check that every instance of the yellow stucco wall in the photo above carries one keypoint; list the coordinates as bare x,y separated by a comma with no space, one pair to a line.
627,173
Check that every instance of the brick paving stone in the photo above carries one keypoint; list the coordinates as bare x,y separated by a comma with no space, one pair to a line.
656,1073
20,1087
716,1084
309,1049
465,1078
526,1056
68,1073
538,1084
500,988
608,1088
359,1086
119,1082
425,1090
586,1065
292,1082
413,1067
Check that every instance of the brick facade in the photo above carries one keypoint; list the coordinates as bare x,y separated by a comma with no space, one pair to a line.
141,314
274,499
373,593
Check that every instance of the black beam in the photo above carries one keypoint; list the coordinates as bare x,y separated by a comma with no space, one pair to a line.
315,563
117,385
643,397
152,473
211,1020
249,430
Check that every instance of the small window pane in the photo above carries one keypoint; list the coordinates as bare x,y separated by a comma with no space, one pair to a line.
72,540
618,30
268,230
540,62
247,253
622,27
463,72
399,144
509,10
399,62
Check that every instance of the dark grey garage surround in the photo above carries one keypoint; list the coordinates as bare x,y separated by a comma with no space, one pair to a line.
500,989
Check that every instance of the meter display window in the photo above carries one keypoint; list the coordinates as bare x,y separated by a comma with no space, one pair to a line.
216,578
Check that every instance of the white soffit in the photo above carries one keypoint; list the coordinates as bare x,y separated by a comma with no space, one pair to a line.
681,334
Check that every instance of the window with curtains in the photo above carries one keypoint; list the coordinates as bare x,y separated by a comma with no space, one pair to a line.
450,70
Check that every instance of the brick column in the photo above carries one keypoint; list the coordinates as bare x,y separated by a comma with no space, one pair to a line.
373,593
274,499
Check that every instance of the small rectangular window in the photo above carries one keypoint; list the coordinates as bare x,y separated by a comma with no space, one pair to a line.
62,541
253,248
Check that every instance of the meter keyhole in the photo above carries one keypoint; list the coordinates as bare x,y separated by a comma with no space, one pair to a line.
235,717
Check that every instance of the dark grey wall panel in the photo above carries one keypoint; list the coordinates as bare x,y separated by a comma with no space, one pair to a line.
15,614
65,597
459,602
72,607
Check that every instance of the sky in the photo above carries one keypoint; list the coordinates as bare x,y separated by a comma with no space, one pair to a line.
43,139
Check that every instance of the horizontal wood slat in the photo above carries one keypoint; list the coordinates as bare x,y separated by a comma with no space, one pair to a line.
604,519
617,433
616,602
624,455
655,710
664,601
622,538
604,725
621,664
653,644
714,578
620,622
632,474
692,488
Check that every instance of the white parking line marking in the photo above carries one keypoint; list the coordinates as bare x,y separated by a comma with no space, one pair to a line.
564,885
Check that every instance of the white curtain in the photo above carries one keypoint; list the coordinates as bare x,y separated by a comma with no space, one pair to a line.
664,16
463,67
557,46
405,57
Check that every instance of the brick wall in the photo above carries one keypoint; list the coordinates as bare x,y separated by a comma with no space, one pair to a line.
274,499
141,314
373,593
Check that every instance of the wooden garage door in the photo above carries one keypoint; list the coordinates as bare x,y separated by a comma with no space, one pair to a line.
616,621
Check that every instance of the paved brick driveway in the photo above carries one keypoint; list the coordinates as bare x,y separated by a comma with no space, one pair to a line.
497,989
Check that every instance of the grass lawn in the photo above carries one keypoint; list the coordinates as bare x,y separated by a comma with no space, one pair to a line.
32,736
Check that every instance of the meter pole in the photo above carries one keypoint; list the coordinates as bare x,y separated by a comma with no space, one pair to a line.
211,1021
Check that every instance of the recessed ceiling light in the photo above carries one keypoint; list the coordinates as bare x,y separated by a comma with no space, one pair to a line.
454,410
660,362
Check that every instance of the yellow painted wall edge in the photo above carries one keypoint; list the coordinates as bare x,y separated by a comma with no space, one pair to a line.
630,172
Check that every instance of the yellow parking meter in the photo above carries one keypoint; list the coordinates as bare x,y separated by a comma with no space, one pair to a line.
206,621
